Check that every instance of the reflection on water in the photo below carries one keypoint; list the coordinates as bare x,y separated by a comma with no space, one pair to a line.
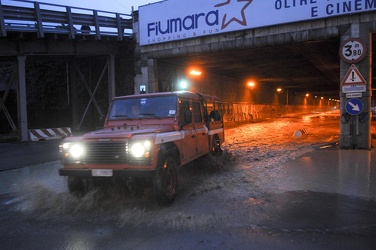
355,172
320,117
44,174
348,172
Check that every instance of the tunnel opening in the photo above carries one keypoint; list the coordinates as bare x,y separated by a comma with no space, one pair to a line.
262,83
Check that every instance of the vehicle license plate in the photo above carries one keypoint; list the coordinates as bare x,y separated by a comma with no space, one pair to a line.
102,172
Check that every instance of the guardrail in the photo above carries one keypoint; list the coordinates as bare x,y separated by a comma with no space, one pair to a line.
44,18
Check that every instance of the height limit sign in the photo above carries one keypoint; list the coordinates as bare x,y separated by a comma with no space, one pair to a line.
353,50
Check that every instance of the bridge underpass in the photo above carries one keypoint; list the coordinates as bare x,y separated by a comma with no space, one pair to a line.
298,58
307,67
311,68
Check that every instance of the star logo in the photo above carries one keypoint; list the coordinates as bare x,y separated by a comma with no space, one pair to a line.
242,5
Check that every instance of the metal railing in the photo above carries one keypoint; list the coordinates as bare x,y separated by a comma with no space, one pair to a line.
42,18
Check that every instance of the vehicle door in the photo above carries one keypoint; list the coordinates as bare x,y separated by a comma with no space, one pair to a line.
201,131
188,147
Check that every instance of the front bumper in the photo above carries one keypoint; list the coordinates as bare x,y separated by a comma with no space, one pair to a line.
115,172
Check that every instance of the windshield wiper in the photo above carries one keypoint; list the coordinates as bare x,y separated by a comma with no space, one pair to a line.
150,114
122,116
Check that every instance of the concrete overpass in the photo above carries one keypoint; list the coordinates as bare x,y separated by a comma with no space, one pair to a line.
304,55
38,31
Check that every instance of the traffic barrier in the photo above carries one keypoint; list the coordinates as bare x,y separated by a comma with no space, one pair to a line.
49,133
300,132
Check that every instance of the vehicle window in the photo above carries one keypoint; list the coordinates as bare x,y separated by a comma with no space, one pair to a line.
216,113
184,109
148,107
197,112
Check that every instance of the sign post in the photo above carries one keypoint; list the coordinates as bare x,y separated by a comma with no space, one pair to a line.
355,89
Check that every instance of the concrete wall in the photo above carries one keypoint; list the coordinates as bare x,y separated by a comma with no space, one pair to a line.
241,113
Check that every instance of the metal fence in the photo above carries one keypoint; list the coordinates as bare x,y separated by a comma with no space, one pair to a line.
43,18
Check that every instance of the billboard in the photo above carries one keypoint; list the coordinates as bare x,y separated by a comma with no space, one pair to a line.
173,20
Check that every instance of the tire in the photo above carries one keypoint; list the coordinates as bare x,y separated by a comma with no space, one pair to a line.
216,147
78,186
166,182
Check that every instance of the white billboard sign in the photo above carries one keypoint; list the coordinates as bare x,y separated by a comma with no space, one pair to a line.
173,20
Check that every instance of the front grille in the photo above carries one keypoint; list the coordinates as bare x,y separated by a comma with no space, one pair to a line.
105,152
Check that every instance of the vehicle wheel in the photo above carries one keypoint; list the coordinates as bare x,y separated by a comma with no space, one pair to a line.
166,182
78,186
216,147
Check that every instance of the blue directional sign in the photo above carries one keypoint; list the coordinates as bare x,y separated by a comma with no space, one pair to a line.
354,106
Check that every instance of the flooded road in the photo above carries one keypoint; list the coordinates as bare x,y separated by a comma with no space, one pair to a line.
268,190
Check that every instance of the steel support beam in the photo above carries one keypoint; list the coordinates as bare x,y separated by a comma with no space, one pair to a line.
2,103
70,23
90,92
3,31
21,99
111,77
39,22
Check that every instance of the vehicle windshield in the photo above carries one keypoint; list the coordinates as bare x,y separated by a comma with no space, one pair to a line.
143,107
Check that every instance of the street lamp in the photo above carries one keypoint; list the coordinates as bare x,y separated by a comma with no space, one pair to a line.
183,84
249,93
306,99
251,84
195,72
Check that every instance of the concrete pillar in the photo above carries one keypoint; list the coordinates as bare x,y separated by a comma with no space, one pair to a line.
111,77
153,75
148,77
22,102
355,128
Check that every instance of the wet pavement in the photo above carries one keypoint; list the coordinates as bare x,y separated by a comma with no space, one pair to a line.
263,196
23,154
325,200
346,172
329,191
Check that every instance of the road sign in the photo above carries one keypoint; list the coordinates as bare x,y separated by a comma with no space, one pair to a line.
354,95
353,88
354,106
353,77
353,50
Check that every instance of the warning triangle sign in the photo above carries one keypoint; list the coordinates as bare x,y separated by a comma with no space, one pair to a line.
353,77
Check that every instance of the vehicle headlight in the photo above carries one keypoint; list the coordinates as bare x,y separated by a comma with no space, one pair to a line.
140,149
73,150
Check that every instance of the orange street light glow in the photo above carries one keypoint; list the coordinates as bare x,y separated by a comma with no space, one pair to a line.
251,84
195,72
